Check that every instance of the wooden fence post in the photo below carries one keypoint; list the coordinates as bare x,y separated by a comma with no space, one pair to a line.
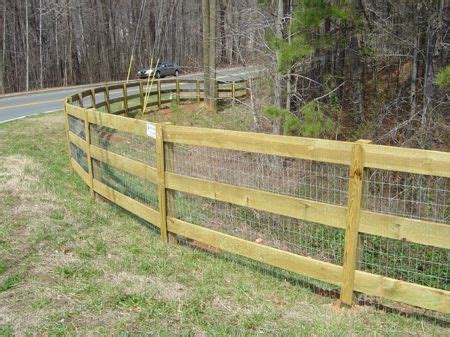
80,100
233,90
360,249
161,180
198,90
158,86
66,115
87,135
93,98
170,194
177,89
108,106
141,96
352,225
125,98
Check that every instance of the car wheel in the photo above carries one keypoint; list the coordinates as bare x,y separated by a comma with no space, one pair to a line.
158,74
176,73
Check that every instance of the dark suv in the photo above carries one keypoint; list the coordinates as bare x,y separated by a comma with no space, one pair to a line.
164,69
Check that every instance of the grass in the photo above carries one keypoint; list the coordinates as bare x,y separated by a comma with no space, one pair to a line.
70,265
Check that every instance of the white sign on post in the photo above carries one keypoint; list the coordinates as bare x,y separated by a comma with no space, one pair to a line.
151,130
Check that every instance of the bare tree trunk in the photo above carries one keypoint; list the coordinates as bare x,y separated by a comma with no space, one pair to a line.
27,71
288,80
2,66
58,70
212,54
229,33
41,64
278,76
206,45
414,78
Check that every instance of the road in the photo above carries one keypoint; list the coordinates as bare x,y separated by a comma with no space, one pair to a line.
21,105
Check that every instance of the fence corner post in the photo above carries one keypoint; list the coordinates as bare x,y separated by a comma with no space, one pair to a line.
352,223
87,135
160,167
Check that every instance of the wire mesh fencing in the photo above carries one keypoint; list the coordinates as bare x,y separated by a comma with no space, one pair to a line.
413,196
79,156
126,144
76,126
306,179
402,194
132,186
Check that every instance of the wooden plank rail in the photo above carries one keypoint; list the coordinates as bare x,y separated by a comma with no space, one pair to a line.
401,291
401,159
297,208
133,206
125,164
285,146
355,218
319,270
78,141
120,123
81,172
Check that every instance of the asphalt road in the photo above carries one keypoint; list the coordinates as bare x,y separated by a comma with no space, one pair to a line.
22,105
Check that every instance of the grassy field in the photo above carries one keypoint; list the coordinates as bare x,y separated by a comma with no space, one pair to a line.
70,265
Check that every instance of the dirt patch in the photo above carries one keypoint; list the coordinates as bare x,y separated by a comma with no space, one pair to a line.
17,174
26,203
26,212
135,284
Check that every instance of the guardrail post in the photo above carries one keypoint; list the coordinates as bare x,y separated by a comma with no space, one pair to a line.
197,87
125,98
233,90
161,181
141,96
158,87
108,106
352,225
177,89
87,135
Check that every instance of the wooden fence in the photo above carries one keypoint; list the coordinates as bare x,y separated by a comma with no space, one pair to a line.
352,218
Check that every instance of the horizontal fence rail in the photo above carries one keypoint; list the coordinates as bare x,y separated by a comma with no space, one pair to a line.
362,217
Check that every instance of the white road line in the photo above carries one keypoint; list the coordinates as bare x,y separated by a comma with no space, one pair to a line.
37,113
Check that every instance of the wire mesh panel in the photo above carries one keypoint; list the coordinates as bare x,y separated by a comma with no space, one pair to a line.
123,143
125,183
408,195
76,126
80,156
412,196
87,101
295,177
313,240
